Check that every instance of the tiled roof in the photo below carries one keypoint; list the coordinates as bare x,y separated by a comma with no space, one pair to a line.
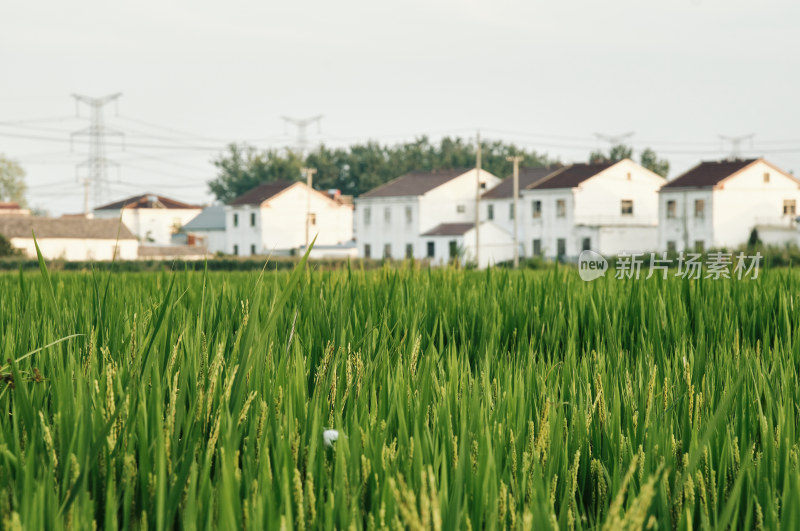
416,183
449,229
81,228
262,192
709,173
147,201
570,176
527,177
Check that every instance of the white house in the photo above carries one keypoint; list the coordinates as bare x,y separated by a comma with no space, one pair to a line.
497,205
70,238
271,219
456,241
391,218
207,229
151,218
609,208
717,204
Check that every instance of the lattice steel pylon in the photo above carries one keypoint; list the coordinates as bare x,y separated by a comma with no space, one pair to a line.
97,131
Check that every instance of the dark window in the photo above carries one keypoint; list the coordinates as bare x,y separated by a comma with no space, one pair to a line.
409,250
561,247
671,247
536,207
431,249
671,207
253,219
236,220
561,208
235,247
490,213
367,251
537,247
627,207
453,244
252,249
387,250
511,211
312,219
699,208
587,244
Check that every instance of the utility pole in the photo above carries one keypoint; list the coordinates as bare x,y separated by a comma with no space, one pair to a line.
97,163
516,160
309,173
302,125
478,202
736,144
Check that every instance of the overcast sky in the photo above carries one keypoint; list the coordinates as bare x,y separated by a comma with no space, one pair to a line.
547,75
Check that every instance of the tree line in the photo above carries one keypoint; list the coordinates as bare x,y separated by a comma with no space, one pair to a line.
361,167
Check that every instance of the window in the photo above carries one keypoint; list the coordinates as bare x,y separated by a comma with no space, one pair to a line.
409,250
252,249
766,176
626,207
629,176
367,216
699,246
586,244
699,208
252,219
671,206
431,250
236,220
387,250
235,247
367,251
537,247
536,208
312,219
483,186
789,207
671,247
461,209
561,247
387,215
511,211
490,213
409,216
453,247
561,208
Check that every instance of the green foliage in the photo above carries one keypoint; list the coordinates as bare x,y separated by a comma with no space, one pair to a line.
12,182
647,158
465,399
360,167
753,240
6,249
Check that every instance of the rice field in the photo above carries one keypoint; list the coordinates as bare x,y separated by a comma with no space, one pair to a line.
461,400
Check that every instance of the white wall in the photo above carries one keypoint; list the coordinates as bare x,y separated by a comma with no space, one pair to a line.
214,240
685,229
496,245
152,225
280,223
77,249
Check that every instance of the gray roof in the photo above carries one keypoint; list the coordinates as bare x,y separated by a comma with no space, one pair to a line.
570,176
709,173
527,177
450,229
77,227
211,218
415,183
147,201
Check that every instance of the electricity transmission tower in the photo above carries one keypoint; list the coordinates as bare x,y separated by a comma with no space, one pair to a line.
302,125
736,144
97,162
614,140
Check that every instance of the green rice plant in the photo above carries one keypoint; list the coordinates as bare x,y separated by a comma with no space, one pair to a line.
462,400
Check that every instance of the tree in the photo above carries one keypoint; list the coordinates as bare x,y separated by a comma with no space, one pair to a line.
754,240
6,248
12,181
361,167
650,160
647,158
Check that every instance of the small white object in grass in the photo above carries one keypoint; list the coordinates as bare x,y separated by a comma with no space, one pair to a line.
329,437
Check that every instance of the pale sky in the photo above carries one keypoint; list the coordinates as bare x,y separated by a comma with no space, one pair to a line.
546,75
